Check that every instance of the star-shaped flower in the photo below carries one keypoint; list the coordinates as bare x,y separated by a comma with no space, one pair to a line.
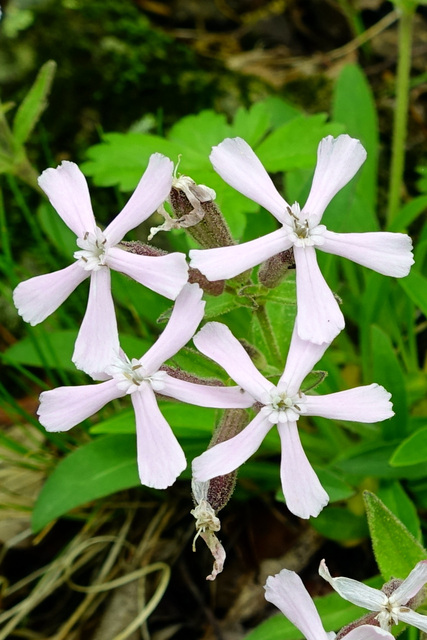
282,404
392,607
37,298
286,590
160,457
338,160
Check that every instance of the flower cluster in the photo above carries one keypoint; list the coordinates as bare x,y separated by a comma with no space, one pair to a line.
319,320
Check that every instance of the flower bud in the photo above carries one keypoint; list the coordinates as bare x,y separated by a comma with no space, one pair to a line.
273,270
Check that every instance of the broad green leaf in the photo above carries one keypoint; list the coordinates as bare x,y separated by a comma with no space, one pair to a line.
197,134
397,500
34,103
396,550
279,111
415,286
251,124
372,459
338,523
354,106
413,450
333,610
387,371
294,144
57,348
408,213
97,469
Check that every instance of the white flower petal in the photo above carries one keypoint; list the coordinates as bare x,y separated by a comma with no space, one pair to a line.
160,456
415,619
227,262
368,404
38,297
98,341
356,592
302,357
303,492
229,455
186,316
369,632
67,190
216,341
164,274
61,409
412,584
319,318
338,161
204,395
384,252
151,191
237,164
287,591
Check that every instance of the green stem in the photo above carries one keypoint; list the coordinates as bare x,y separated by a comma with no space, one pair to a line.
401,113
268,333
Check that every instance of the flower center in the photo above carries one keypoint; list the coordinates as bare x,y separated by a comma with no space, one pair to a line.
281,407
389,614
301,231
93,254
131,375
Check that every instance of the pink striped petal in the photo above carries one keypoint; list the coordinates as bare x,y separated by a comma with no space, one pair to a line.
186,316
67,190
384,252
38,297
229,455
319,318
411,585
303,492
302,357
160,456
287,591
356,592
164,274
151,191
98,340
338,161
63,408
369,632
216,341
204,395
368,404
238,165
227,262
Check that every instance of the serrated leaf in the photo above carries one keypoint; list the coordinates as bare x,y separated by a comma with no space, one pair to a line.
197,134
396,550
413,450
251,124
98,469
34,103
294,144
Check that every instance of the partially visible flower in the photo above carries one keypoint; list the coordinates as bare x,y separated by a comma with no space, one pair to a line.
287,592
338,160
393,605
37,298
160,457
282,405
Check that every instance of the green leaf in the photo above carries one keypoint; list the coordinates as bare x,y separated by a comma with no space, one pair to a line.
408,213
34,103
294,144
413,450
372,459
56,230
98,469
251,124
333,610
218,305
338,523
415,286
197,134
399,503
387,371
396,550
354,106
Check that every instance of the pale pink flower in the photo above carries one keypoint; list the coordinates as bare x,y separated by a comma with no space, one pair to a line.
37,298
338,160
288,593
392,607
160,457
282,405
